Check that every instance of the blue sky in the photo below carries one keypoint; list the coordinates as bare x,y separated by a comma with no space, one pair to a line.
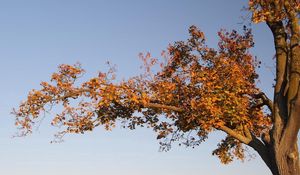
37,36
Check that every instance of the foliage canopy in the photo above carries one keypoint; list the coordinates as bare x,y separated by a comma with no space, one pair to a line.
197,89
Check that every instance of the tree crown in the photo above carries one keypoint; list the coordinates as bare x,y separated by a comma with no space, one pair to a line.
197,90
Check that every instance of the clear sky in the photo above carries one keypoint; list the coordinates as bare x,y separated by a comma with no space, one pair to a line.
38,35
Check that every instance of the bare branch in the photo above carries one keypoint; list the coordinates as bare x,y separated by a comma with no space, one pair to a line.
156,105
234,134
265,99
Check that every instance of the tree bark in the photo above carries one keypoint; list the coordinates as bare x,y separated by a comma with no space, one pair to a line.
280,152
287,160
281,160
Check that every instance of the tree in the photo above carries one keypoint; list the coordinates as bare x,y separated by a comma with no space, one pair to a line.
197,90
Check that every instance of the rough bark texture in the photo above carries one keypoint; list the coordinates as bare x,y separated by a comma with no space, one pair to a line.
280,150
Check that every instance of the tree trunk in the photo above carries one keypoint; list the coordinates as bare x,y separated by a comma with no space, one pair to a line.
279,159
280,151
287,160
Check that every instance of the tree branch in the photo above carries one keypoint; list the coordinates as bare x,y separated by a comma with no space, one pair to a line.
235,135
156,105
226,129
244,139
264,153
279,109
265,99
